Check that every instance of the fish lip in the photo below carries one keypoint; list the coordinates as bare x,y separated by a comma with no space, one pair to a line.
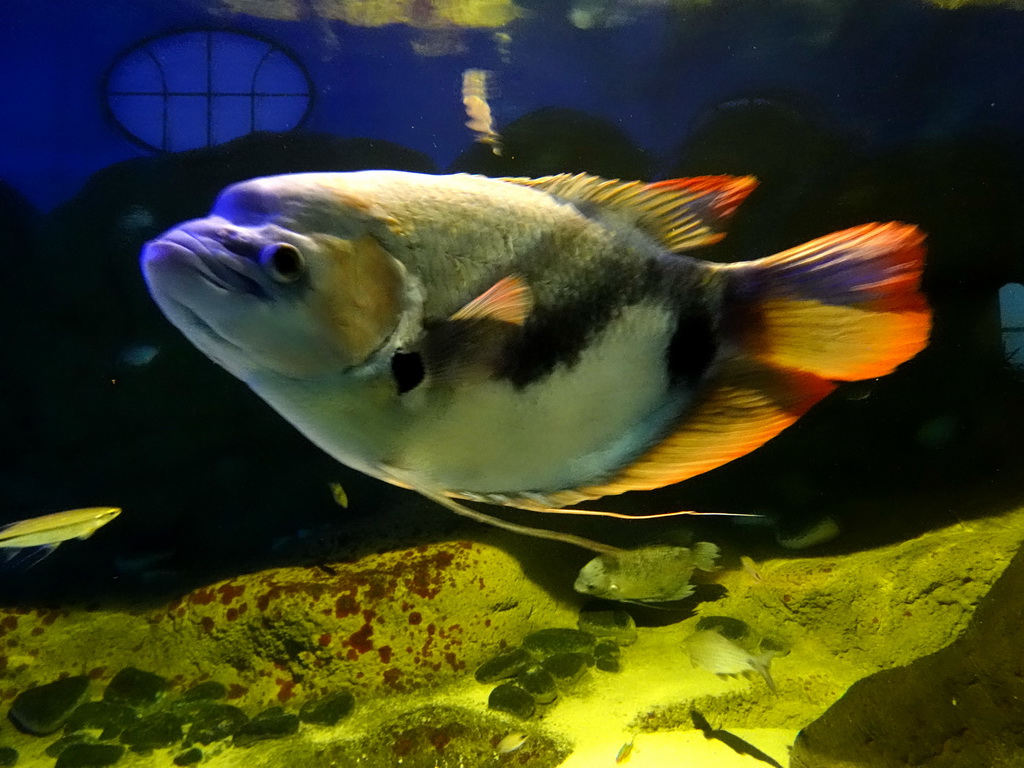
208,260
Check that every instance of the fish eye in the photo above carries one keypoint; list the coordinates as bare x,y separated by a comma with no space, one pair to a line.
283,261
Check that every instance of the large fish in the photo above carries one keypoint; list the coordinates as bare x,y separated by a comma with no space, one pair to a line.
530,342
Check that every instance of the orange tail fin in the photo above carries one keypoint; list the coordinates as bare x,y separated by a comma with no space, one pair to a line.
846,306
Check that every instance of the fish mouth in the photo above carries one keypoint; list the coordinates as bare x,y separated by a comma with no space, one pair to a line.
210,261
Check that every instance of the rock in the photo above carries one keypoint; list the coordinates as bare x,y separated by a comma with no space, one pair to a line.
273,723
8,757
726,626
153,732
210,690
539,683
510,698
63,743
43,709
189,756
135,687
547,642
327,710
106,716
616,624
503,666
215,722
89,756
962,705
567,668
606,656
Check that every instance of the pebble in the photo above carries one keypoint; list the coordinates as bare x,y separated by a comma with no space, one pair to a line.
8,757
502,666
510,698
327,710
214,722
539,683
606,656
567,668
43,709
89,756
64,742
189,756
135,687
548,642
210,690
106,716
616,625
726,626
153,732
273,723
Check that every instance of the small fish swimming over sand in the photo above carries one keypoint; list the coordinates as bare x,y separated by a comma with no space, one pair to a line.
511,742
646,575
709,650
478,109
44,534
529,342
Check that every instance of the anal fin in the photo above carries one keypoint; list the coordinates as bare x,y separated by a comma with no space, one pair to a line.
744,406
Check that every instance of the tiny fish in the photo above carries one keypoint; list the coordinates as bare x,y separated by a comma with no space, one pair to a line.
44,534
478,110
511,742
534,343
750,568
647,574
624,752
709,650
339,495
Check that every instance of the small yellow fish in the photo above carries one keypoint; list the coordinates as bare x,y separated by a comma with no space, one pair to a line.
45,533
511,742
339,495
625,751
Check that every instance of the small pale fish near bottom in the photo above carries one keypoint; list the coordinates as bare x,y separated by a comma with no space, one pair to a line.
709,650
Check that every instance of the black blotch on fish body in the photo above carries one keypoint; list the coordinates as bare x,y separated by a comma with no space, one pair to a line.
691,349
407,370
557,332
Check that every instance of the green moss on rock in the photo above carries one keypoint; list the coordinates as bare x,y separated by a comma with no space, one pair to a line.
135,687
45,708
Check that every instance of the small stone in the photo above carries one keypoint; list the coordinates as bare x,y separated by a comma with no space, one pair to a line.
566,668
106,716
8,757
43,709
510,698
211,690
152,732
773,646
328,710
617,625
89,756
189,756
548,642
273,723
606,656
503,666
135,687
215,722
539,683
64,742
726,626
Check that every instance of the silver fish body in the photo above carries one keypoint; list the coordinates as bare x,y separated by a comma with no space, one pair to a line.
531,342
713,652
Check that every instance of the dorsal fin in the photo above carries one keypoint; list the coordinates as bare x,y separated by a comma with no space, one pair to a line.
679,213
508,301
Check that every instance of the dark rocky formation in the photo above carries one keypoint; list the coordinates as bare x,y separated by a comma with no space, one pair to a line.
43,709
961,706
